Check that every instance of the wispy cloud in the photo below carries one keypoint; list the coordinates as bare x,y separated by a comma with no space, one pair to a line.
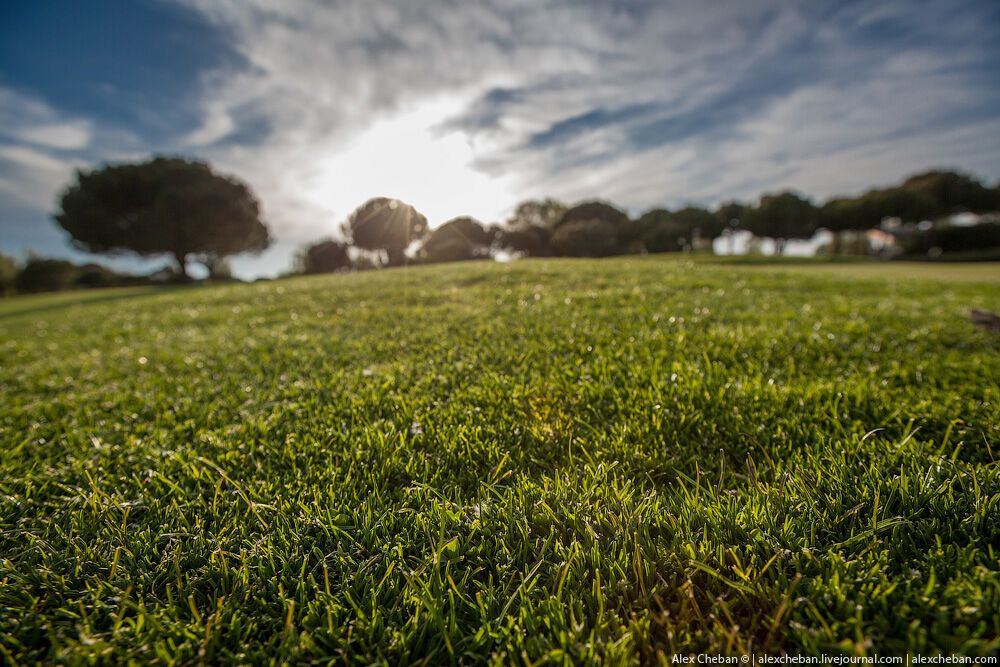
469,107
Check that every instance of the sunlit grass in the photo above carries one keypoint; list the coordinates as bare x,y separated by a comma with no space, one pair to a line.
562,460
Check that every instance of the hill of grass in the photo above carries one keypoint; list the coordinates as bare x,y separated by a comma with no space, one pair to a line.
544,460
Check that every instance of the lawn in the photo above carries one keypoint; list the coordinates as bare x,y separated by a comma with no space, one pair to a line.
543,461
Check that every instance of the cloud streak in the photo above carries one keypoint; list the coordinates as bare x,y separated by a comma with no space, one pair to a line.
469,107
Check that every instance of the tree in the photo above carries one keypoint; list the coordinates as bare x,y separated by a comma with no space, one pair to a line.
162,206
730,214
783,216
603,230
326,256
947,239
95,275
664,236
458,239
8,274
594,210
218,267
698,222
530,241
952,192
585,238
46,275
657,231
537,213
384,224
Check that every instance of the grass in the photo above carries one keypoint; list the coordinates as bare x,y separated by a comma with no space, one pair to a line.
546,461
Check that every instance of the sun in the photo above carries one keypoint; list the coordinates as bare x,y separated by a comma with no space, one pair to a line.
408,157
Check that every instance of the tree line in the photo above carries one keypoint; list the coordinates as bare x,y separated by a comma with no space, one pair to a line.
381,230
186,210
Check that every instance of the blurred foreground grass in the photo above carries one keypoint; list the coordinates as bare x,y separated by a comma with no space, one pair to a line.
561,460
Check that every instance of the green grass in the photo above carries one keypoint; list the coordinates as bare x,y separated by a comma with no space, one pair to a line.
546,461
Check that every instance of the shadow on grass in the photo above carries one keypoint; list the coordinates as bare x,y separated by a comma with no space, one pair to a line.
20,306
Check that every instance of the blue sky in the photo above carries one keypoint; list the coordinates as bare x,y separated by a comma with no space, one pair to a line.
470,107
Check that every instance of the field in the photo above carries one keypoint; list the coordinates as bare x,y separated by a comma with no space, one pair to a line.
543,461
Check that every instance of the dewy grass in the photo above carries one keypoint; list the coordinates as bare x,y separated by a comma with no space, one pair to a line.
545,461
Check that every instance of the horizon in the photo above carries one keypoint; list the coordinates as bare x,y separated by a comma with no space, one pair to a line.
469,110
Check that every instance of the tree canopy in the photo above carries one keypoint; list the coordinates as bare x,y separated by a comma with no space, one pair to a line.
537,213
325,256
162,206
530,241
458,239
783,216
594,210
585,238
385,224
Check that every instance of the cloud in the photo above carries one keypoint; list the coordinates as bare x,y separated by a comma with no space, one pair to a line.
25,119
35,146
467,108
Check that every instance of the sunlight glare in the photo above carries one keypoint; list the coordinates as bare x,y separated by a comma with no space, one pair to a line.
408,158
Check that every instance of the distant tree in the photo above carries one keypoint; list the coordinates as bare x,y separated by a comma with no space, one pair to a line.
95,275
730,214
46,275
326,256
948,239
698,222
458,239
783,216
595,210
656,231
665,236
389,225
162,206
8,274
537,213
952,192
610,237
730,217
530,241
585,238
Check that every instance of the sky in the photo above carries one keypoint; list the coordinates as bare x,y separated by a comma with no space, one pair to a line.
467,107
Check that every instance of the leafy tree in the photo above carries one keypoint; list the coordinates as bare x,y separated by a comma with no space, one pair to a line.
530,241
730,214
656,231
162,206
537,213
664,236
952,192
594,210
389,225
585,238
325,257
603,230
8,274
218,267
458,239
46,275
947,239
926,196
698,222
95,275
783,216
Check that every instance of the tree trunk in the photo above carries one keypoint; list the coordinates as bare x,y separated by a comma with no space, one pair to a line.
395,257
181,258
779,246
